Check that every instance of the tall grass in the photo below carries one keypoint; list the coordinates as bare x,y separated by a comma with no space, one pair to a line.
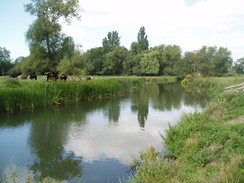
17,95
30,95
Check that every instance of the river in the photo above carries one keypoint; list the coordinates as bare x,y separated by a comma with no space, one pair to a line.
92,141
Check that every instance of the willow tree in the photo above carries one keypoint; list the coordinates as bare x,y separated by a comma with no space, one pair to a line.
45,32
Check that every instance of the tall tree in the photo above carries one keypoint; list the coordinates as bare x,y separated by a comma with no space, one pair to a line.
142,39
141,44
5,61
111,41
45,32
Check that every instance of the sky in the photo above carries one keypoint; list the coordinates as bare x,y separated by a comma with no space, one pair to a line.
189,24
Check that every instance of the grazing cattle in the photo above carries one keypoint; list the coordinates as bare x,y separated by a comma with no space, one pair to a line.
89,78
63,77
51,76
14,75
33,76
23,76
54,76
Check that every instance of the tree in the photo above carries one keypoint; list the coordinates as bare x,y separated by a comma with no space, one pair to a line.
94,59
5,61
170,56
67,47
222,62
45,32
111,41
16,66
142,39
150,63
72,66
239,66
113,61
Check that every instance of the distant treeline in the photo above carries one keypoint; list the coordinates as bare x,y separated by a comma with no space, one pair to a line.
51,50
113,59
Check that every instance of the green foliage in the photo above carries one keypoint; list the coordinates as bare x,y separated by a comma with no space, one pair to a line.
209,61
44,35
94,59
170,57
239,66
113,62
187,80
152,167
142,39
5,62
111,41
72,66
149,63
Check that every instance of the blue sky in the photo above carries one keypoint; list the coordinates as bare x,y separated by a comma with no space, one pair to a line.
190,24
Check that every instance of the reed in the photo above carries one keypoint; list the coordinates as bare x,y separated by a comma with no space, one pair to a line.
31,95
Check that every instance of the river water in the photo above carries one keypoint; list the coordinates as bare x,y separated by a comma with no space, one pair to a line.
92,141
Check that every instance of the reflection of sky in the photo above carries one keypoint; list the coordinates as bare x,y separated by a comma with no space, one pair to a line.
13,144
101,139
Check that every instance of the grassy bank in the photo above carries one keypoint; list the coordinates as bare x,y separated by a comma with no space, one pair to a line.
202,147
29,95
19,95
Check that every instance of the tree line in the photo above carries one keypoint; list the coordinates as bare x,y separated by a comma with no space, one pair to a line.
52,50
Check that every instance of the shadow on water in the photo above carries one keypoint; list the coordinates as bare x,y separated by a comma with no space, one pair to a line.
47,132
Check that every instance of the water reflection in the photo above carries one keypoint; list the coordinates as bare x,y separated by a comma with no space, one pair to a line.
92,141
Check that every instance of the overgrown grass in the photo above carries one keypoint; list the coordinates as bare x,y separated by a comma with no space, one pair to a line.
202,147
29,95
18,95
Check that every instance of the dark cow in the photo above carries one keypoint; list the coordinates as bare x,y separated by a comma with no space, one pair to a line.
53,76
33,76
14,75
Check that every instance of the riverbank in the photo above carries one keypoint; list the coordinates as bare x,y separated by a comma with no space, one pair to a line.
202,147
20,95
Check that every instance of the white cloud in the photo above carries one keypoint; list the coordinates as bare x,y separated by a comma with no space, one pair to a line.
209,22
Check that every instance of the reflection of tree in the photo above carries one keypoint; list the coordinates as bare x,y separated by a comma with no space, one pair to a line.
172,95
196,97
47,137
59,167
49,132
113,107
140,104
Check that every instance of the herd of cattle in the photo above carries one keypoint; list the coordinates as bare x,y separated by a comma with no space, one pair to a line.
51,76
